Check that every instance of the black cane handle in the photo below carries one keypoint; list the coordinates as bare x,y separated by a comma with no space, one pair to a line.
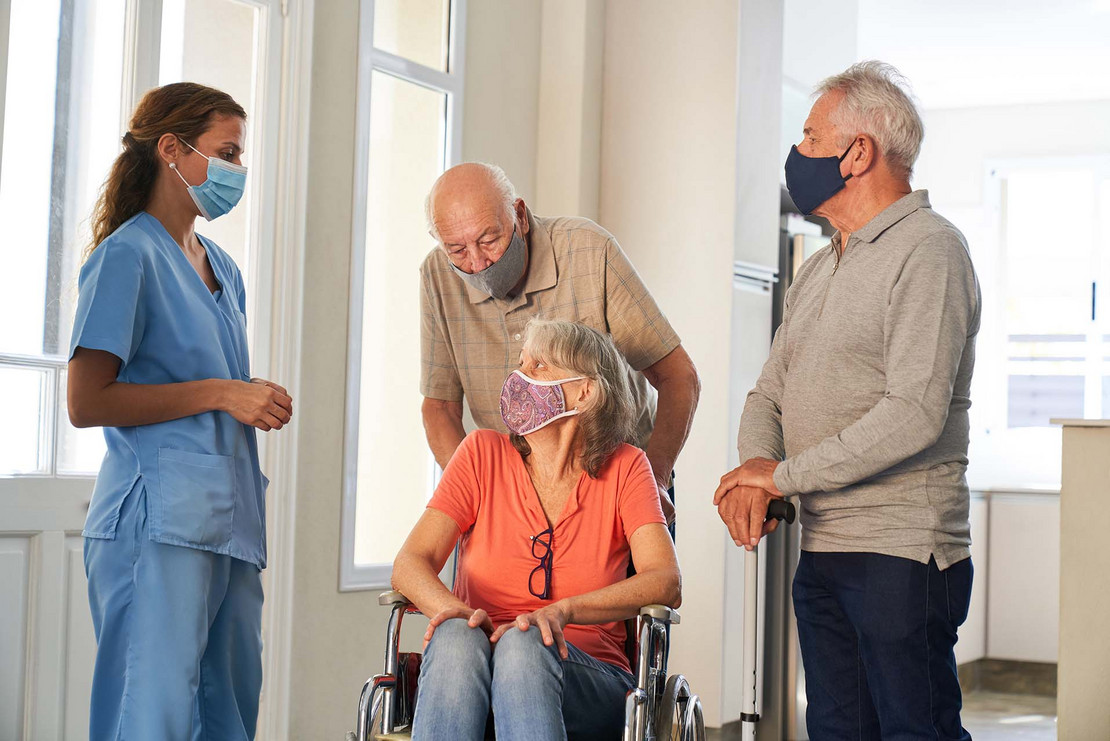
780,509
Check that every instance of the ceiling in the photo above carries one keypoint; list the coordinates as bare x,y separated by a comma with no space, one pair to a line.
963,53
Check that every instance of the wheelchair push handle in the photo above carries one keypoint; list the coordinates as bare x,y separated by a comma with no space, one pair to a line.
780,509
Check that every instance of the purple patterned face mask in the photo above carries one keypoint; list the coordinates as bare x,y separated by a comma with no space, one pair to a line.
528,404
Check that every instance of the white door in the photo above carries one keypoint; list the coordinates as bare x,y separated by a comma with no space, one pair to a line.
70,73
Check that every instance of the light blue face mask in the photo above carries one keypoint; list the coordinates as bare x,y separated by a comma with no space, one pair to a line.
222,189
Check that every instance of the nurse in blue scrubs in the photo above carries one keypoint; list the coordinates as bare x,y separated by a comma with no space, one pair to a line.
175,536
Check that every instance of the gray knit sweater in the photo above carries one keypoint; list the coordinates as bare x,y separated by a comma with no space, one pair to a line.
865,395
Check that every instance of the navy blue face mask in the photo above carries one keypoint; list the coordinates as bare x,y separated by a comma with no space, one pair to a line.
814,180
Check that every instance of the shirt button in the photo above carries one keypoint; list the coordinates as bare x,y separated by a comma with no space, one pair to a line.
516,336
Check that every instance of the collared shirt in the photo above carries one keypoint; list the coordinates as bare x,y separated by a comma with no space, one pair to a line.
141,300
470,341
865,395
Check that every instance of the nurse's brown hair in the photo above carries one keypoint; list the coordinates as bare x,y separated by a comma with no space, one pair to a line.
182,108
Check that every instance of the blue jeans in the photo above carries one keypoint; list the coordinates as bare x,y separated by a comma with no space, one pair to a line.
877,636
533,694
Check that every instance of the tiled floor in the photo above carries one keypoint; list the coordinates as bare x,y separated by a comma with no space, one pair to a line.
993,716
988,716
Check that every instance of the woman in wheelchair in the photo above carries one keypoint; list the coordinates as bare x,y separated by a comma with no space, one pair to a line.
547,519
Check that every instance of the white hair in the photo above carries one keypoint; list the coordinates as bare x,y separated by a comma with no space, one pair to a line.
877,102
501,183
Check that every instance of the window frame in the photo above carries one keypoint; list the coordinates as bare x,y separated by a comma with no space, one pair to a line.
1000,455
142,41
352,576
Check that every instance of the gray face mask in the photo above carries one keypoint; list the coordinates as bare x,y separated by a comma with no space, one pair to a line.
499,278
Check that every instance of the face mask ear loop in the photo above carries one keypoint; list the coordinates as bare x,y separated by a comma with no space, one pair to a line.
556,382
202,154
849,149
173,166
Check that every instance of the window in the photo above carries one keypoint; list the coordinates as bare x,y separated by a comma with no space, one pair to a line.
62,97
70,73
1044,347
409,130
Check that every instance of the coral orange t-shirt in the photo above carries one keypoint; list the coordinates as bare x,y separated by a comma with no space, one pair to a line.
486,490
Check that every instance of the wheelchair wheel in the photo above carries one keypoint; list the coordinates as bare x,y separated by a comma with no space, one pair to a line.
678,717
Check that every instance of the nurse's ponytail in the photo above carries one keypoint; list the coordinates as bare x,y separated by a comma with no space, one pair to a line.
183,108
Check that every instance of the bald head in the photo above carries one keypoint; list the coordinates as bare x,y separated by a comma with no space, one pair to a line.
467,192
473,211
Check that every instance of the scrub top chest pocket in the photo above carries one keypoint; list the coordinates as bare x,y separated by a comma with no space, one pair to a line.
195,502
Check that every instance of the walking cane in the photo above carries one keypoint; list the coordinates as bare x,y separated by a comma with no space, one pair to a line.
778,509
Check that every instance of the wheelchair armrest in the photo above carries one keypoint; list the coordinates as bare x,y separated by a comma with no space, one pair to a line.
662,613
392,598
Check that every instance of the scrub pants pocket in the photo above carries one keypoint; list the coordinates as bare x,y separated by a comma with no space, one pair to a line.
179,646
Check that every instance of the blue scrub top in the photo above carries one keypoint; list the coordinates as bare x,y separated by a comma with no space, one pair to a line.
141,300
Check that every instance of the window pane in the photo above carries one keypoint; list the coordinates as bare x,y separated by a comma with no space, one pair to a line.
26,171
1049,274
53,165
24,394
80,451
223,53
414,29
407,138
1051,336
1034,400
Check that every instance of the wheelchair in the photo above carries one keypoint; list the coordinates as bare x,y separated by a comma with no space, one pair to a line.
658,708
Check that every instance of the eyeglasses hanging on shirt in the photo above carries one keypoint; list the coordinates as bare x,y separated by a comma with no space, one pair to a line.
542,543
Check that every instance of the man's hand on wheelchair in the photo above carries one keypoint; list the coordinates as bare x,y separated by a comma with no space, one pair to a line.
742,499
550,620
473,618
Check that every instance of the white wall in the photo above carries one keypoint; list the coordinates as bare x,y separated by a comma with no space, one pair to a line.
819,39
669,194
568,152
501,108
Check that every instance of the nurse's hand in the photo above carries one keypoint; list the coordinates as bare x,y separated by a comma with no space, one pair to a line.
260,403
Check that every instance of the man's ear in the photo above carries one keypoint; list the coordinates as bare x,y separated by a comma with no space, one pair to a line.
521,212
864,155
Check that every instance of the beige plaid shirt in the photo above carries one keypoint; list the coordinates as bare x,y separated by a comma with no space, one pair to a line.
470,341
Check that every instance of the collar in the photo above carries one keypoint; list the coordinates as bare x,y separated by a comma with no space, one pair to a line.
890,216
541,271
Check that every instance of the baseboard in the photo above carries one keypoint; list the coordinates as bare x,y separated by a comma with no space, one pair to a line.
1013,677
732,729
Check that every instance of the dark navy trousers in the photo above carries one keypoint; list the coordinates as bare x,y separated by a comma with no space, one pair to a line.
877,635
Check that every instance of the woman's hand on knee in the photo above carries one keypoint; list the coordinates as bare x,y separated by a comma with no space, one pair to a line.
473,618
550,620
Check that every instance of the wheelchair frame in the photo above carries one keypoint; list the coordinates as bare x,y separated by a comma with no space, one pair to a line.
652,710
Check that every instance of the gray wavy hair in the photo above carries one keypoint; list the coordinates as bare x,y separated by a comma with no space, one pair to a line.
877,102
611,419
501,183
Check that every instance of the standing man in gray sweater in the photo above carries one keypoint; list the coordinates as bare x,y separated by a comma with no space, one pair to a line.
862,412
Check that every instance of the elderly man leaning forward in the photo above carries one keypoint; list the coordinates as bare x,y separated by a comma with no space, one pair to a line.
862,411
496,266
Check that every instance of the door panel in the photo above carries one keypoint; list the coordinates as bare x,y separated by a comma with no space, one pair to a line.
15,557
80,648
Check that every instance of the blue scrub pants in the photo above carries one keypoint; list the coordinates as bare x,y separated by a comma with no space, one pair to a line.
877,635
179,637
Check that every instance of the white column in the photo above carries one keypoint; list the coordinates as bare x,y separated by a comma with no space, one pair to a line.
568,147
